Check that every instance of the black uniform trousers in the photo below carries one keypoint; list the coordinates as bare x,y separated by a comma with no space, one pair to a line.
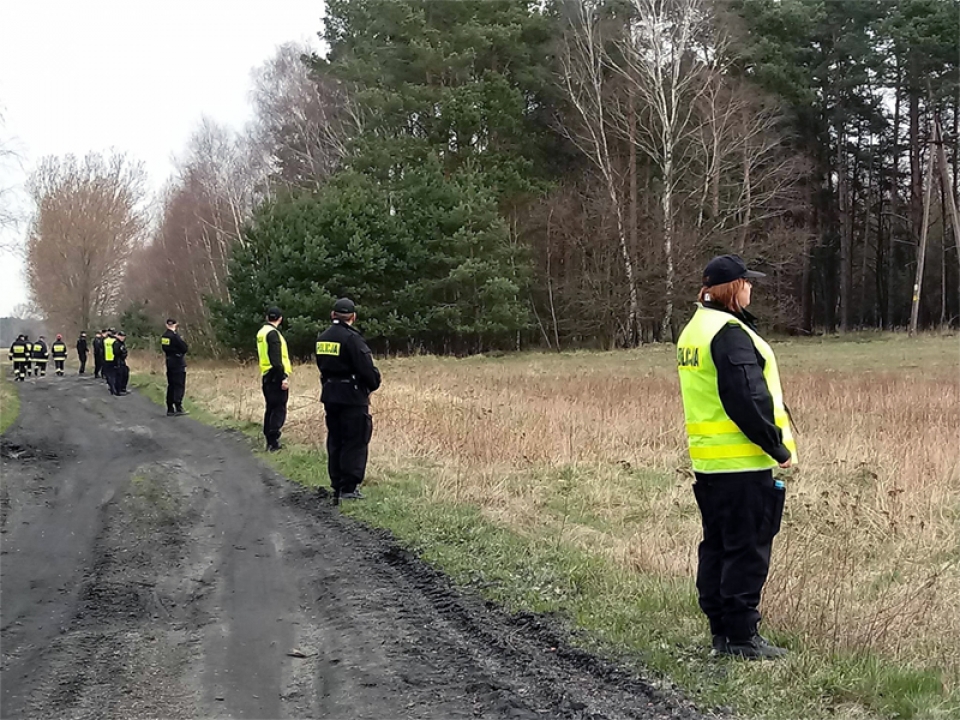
82,357
122,377
349,429
741,514
98,366
19,369
176,385
275,414
109,371
59,365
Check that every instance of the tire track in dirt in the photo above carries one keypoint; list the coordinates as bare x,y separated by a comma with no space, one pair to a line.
152,567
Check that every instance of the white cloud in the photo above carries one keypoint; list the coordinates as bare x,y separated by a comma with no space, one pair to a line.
136,77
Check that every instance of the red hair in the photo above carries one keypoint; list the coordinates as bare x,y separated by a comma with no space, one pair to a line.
725,294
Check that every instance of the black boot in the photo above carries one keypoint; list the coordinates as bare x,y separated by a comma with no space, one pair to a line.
756,648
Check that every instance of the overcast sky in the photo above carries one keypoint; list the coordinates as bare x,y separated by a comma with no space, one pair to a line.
132,76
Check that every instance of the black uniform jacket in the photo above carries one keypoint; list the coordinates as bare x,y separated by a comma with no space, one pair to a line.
81,346
742,386
40,351
59,350
98,348
120,352
347,372
174,348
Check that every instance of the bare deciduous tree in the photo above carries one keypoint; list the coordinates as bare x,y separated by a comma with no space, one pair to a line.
585,79
88,218
303,118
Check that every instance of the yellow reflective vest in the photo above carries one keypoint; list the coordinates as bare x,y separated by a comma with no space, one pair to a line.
18,351
716,443
264,355
108,349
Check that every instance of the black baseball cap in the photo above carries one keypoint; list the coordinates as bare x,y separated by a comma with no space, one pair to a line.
727,268
121,333
274,313
171,321
344,306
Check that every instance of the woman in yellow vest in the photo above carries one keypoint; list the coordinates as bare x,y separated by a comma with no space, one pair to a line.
738,431
275,370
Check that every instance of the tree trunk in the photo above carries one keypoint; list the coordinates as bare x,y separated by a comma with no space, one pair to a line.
922,252
916,171
846,241
890,314
667,209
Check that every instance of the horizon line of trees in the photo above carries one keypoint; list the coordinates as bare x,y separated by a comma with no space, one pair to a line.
482,174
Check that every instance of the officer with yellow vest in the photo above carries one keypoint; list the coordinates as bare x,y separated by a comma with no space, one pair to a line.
738,431
19,354
110,361
275,370
58,351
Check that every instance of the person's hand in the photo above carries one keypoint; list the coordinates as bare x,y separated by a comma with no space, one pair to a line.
285,385
786,464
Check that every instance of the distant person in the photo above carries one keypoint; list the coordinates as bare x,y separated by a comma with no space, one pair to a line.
174,348
739,431
275,370
27,364
39,357
98,353
121,371
347,377
82,351
58,351
19,355
109,369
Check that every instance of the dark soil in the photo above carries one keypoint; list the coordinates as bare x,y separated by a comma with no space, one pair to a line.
152,567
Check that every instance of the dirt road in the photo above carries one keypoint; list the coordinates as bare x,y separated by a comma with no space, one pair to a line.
152,567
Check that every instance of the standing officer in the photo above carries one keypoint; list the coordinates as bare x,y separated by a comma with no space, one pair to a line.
19,354
275,368
347,377
82,351
39,357
121,371
59,353
739,431
98,353
109,368
174,348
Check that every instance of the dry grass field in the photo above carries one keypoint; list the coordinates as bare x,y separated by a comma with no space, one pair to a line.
591,446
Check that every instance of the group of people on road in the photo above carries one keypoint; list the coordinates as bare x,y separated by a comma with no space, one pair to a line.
109,353
737,424
28,356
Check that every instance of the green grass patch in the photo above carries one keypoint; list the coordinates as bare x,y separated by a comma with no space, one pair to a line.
648,622
9,402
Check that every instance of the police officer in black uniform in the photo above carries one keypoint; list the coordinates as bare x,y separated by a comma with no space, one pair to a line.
98,354
174,348
121,371
82,351
348,376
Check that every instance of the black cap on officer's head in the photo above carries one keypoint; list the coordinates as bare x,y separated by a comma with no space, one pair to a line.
121,333
171,321
727,268
344,306
274,313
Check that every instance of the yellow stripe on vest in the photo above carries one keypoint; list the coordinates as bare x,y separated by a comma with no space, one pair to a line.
721,427
725,452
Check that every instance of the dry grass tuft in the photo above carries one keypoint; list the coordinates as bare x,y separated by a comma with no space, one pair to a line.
591,446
